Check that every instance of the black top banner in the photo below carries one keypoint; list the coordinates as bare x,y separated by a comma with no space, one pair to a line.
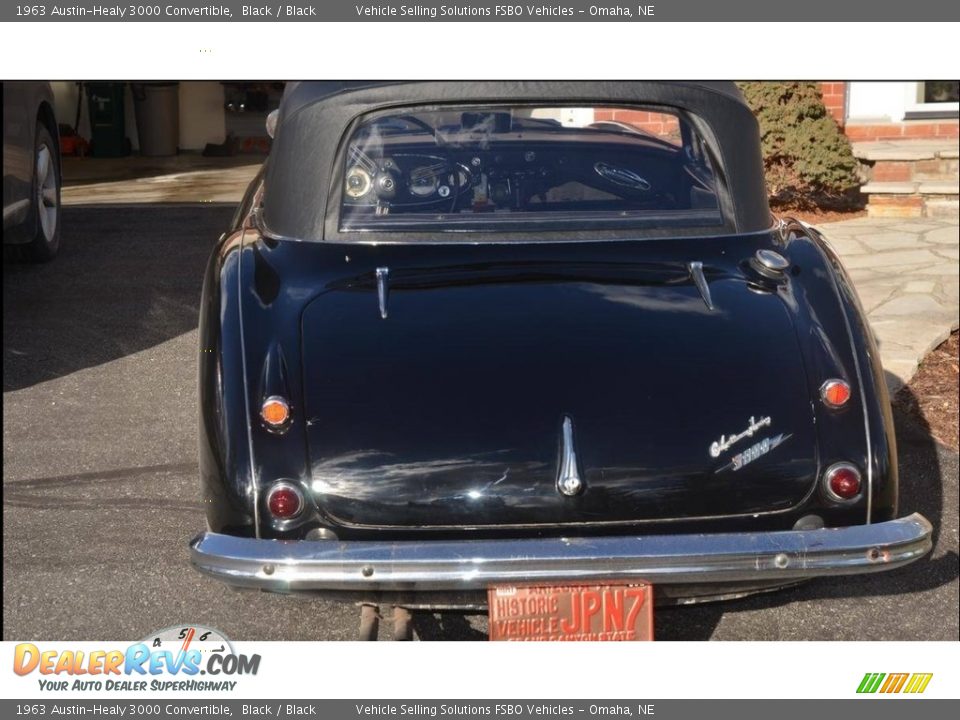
482,11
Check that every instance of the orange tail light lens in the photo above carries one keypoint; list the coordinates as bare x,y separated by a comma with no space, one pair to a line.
275,412
835,393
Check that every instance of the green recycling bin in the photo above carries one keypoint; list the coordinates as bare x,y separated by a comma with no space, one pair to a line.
107,129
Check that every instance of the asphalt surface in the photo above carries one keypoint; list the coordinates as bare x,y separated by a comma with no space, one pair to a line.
100,495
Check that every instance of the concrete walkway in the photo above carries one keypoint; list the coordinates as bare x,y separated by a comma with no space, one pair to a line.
907,273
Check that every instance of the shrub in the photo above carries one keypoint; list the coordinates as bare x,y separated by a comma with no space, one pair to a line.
807,158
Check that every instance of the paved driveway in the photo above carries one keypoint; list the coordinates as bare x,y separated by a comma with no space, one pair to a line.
99,480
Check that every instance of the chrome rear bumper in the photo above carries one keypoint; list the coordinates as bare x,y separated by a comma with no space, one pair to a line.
289,566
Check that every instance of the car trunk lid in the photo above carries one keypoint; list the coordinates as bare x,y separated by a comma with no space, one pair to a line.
452,388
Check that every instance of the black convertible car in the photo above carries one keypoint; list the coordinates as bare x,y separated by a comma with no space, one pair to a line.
538,347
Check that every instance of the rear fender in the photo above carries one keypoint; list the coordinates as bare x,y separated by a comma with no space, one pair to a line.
833,304
226,470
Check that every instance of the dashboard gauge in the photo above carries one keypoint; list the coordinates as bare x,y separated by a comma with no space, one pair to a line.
386,184
423,181
359,182
461,178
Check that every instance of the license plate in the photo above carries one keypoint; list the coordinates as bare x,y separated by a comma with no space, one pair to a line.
571,612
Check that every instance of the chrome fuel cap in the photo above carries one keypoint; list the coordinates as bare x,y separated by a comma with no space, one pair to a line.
772,260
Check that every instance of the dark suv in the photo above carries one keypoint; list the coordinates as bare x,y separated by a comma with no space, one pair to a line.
31,169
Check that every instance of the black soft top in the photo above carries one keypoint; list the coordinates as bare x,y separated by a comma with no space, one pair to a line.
315,118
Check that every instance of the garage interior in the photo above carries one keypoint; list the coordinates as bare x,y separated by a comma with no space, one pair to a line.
198,141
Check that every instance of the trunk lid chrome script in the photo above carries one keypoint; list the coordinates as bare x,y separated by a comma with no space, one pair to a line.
723,444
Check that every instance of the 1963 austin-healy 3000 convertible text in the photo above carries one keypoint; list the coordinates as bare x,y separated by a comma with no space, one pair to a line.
538,347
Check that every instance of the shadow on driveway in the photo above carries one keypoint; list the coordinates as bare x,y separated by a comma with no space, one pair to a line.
124,281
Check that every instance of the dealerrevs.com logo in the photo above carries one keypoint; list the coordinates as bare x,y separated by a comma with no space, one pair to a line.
887,683
172,659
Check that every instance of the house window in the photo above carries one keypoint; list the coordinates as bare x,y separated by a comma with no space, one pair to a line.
932,99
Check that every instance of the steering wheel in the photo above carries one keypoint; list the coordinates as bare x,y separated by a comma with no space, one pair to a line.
451,169
447,173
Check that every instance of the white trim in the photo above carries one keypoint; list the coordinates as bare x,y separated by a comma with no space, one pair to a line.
912,104
876,101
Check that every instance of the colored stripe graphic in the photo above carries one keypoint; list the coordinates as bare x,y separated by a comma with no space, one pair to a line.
894,683
870,682
918,682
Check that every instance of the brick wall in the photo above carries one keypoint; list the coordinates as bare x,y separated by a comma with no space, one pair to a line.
910,129
834,97
662,125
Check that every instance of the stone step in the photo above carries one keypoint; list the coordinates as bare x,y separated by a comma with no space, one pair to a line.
909,161
912,199
927,187
906,150
939,187
898,200
910,178
910,170
942,209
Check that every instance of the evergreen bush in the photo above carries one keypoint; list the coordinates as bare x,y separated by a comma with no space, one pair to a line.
807,158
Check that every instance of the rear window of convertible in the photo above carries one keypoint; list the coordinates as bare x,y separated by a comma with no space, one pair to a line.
476,168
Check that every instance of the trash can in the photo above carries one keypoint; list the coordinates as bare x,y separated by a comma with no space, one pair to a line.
157,108
107,129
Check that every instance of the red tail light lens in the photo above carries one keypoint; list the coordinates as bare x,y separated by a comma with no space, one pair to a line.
284,501
835,393
842,482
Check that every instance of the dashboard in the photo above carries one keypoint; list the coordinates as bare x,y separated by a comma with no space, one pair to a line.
516,173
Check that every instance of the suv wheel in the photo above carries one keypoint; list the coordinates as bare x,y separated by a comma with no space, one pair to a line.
46,200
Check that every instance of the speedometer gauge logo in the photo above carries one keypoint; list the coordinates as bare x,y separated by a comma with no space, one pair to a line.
183,638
